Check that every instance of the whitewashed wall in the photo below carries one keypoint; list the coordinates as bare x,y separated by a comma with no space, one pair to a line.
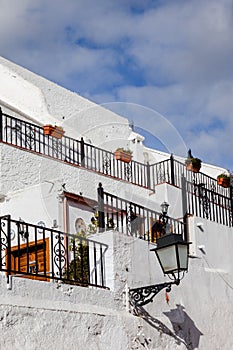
36,314
27,178
199,313
40,315
31,97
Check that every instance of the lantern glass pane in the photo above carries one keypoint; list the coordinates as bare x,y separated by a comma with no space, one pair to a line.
183,256
167,257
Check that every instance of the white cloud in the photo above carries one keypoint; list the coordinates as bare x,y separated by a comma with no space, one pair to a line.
172,56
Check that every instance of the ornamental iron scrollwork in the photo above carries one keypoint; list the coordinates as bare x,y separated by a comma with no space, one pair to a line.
13,132
205,201
59,255
161,173
213,192
195,184
133,222
202,192
144,295
29,137
128,219
56,146
106,164
26,134
130,216
128,171
213,186
4,243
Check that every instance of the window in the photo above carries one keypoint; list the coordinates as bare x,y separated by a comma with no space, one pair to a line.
31,259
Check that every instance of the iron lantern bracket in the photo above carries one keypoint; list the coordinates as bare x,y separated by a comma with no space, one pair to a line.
144,295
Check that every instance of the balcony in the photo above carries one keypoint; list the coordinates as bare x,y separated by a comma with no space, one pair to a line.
41,253
133,219
204,197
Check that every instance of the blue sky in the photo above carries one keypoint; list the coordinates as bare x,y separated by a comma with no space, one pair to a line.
173,57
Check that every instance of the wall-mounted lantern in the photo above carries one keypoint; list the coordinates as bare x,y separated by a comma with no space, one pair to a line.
172,253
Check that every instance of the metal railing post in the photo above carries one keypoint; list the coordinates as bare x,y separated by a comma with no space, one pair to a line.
82,152
101,222
185,194
148,175
8,257
185,221
231,199
1,124
172,170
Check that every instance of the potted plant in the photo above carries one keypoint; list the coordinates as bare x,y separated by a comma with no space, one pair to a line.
193,164
224,180
125,155
53,130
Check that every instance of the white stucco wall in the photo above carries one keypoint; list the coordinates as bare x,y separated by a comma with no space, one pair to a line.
198,308
199,313
27,178
37,99
29,96
37,314
40,315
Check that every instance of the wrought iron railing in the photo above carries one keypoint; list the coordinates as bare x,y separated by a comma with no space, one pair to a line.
202,195
172,171
208,204
37,252
134,219
31,137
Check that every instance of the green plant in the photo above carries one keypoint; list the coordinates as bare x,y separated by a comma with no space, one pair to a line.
196,162
92,227
78,268
125,150
77,271
224,176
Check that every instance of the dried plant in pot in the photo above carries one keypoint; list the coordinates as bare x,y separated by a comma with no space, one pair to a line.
224,180
124,155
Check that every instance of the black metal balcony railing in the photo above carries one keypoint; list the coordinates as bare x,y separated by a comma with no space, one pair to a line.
134,219
45,254
172,171
208,204
31,137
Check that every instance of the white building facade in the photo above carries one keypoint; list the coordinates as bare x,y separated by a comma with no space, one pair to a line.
78,226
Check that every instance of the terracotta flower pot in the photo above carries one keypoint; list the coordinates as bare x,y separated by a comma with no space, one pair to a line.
123,156
54,131
193,168
224,182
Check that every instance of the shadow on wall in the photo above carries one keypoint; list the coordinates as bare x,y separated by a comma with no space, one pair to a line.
184,329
